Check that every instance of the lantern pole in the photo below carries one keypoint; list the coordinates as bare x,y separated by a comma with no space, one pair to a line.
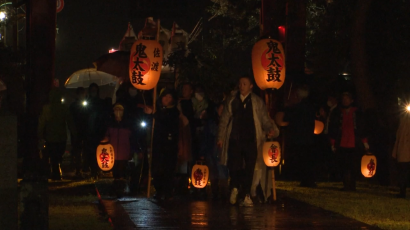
153,122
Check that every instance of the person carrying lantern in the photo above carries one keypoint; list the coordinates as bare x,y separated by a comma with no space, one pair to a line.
165,144
120,135
348,139
241,134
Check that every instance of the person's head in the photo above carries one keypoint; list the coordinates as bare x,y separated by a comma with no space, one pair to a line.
167,97
199,93
118,111
187,91
347,99
80,93
245,85
93,90
331,101
132,91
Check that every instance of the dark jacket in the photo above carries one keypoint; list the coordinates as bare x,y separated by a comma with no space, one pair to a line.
301,118
166,128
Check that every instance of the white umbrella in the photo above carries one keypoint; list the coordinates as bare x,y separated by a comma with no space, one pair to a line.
84,77
2,86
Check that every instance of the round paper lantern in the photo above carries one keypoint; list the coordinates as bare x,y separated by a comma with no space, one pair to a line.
319,126
369,163
271,153
279,119
145,64
268,64
105,156
200,175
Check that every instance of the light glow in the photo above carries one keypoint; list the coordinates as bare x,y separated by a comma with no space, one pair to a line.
2,16
143,124
85,103
62,100
408,108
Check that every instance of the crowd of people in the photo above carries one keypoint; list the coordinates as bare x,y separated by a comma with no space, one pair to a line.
228,136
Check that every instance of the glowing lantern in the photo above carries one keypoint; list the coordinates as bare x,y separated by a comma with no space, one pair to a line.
369,163
200,175
279,119
271,153
105,156
319,126
145,64
268,64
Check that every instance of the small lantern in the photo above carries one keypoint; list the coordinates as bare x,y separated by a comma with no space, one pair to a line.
369,163
279,119
105,156
200,175
319,126
268,64
145,64
271,153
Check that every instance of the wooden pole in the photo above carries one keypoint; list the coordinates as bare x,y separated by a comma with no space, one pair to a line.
153,124
273,184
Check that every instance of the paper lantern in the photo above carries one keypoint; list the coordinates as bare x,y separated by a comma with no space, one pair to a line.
105,156
268,64
319,126
271,153
145,64
200,175
369,163
279,119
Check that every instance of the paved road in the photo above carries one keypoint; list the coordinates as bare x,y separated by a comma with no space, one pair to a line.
143,213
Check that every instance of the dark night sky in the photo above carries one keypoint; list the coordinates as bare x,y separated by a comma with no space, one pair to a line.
89,28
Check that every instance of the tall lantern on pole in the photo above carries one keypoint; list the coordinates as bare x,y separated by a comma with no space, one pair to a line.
145,64
268,64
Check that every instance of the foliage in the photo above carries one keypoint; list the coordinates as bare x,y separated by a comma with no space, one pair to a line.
371,204
223,52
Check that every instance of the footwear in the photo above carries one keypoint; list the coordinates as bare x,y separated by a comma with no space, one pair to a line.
247,202
234,196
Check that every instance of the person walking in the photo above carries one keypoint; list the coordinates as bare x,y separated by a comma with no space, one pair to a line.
165,144
348,139
52,132
401,153
120,136
241,135
78,111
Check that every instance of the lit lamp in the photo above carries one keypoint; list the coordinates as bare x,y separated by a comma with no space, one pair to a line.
319,126
105,156
145,64
271,153
368,166
268,64
200,175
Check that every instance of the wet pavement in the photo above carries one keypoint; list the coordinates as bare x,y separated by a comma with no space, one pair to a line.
143,213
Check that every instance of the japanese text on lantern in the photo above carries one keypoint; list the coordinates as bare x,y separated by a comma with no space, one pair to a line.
105,158
138,70
274,68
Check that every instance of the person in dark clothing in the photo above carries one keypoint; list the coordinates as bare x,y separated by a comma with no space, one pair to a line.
52,132
78,111
165,144
241,134
348,139
120,135
300,138
96,127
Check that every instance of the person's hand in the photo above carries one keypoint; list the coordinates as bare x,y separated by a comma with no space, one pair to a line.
333,148
219,144
366,146
148,110
271,133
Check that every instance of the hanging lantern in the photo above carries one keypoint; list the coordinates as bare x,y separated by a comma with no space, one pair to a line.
369,163
105,156
268,64
319,126
279,119
145,64
200,175
271,153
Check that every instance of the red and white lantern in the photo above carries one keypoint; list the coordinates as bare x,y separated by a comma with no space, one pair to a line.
105,156
200,175
271,153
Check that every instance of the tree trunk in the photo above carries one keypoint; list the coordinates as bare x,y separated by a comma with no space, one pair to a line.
359,60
